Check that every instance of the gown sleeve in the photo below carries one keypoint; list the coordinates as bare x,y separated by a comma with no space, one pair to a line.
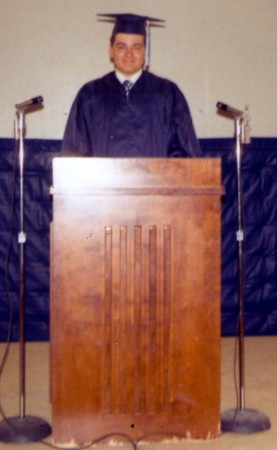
183,142
76,139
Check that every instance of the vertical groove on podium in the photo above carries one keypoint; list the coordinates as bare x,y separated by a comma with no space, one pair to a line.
152,319
123,319
138,372
167,315
107,382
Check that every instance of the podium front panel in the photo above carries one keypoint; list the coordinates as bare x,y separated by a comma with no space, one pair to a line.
135,299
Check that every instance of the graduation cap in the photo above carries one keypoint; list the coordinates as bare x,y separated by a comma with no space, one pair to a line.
133,24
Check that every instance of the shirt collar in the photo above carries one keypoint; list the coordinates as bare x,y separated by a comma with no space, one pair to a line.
133,78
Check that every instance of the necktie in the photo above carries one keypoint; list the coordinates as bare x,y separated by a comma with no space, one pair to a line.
127,86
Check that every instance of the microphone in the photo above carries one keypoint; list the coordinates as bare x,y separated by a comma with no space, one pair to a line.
229,109
29,103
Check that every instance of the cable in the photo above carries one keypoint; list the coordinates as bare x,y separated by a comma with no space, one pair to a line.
94,442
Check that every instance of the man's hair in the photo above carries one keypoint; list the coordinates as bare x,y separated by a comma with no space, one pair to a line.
112,39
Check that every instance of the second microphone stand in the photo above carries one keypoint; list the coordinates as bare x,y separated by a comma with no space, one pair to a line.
241,419
22,428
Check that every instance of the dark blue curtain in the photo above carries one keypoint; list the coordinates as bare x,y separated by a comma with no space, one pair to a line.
259,182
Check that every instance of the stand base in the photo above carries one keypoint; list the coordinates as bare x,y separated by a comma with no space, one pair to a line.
245,421
27,429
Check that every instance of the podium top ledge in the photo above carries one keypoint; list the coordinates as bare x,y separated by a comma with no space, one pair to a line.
89,175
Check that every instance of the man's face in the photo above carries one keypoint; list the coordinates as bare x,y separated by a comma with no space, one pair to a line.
128,53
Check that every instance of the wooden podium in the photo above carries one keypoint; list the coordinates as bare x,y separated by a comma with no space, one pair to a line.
135,299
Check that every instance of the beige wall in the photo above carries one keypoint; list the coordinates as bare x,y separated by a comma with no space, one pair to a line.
214,49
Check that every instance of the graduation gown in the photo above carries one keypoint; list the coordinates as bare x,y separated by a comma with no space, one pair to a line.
153,121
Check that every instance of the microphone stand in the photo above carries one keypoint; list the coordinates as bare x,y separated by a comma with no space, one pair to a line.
241,419
22,428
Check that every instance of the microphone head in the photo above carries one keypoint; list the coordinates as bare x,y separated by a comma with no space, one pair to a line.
29,103
37,100
229,109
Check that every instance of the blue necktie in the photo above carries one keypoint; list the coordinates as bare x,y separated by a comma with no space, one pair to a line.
127,86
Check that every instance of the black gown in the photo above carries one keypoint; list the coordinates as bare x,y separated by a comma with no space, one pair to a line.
153,121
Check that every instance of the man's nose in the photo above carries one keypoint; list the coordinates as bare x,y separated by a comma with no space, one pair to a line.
129,51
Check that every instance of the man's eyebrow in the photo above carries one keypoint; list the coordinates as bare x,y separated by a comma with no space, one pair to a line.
136,44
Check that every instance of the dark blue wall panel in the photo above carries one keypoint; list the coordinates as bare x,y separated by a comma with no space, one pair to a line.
259,181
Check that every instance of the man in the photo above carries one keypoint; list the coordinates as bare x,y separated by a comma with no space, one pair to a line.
148,117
